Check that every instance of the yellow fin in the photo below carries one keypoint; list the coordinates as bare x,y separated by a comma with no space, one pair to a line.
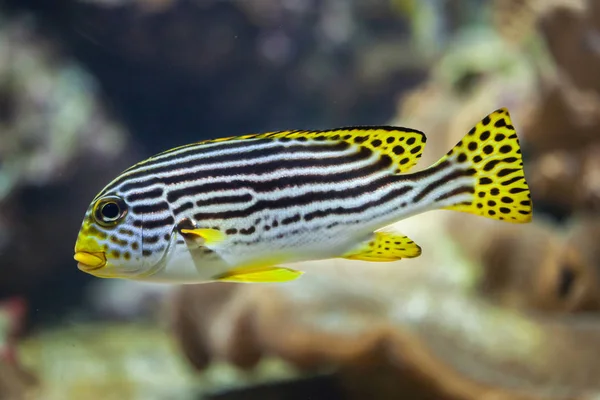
385,246
207,236
404,146
259,275
491,149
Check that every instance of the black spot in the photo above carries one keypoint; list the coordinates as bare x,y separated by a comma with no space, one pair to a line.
385,161
472,131
506,171
472,146
275,224
523,212
485,135
151,239
492,212
505,149
188,205
231,231
481,194
360,139
499,137
506,200
485,181
415,150
404,161
479,205
505,210
516,190
488,149
462,157
490,165
495,192
301,139
398,150
267,228
491,203
335,137
410,141
291,220
346,137
500,123
146,253
477,159
486,120
320,138
565,281
389,140
376,143
248,231
284,139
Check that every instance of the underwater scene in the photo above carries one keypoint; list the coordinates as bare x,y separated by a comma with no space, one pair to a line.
299,199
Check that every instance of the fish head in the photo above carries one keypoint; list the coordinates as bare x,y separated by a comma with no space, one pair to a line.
110,243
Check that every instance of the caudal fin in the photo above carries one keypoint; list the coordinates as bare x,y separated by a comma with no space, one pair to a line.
492,154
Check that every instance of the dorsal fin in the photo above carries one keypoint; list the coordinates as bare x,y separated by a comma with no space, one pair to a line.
404,146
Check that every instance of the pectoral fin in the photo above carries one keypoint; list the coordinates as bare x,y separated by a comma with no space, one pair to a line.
385,246
203,237
259,275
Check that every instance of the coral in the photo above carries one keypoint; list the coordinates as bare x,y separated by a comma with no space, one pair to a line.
133,361
541,266
15,381
55,133
356,315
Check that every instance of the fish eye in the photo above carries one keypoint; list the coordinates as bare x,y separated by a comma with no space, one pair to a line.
109,211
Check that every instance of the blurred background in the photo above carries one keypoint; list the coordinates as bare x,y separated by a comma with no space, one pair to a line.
489,311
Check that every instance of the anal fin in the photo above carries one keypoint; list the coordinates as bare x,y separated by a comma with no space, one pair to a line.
385,246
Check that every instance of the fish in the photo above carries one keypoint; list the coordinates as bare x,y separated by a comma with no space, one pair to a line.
251,208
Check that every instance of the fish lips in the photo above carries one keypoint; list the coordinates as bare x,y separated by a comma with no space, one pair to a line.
88,261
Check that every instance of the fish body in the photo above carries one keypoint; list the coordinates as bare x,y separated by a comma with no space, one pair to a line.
234,209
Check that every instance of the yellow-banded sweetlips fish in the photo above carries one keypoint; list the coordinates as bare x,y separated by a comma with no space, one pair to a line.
234,209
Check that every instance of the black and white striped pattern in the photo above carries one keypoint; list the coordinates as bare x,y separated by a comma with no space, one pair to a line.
315,196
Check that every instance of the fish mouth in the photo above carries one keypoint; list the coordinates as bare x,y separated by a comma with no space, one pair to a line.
89,261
